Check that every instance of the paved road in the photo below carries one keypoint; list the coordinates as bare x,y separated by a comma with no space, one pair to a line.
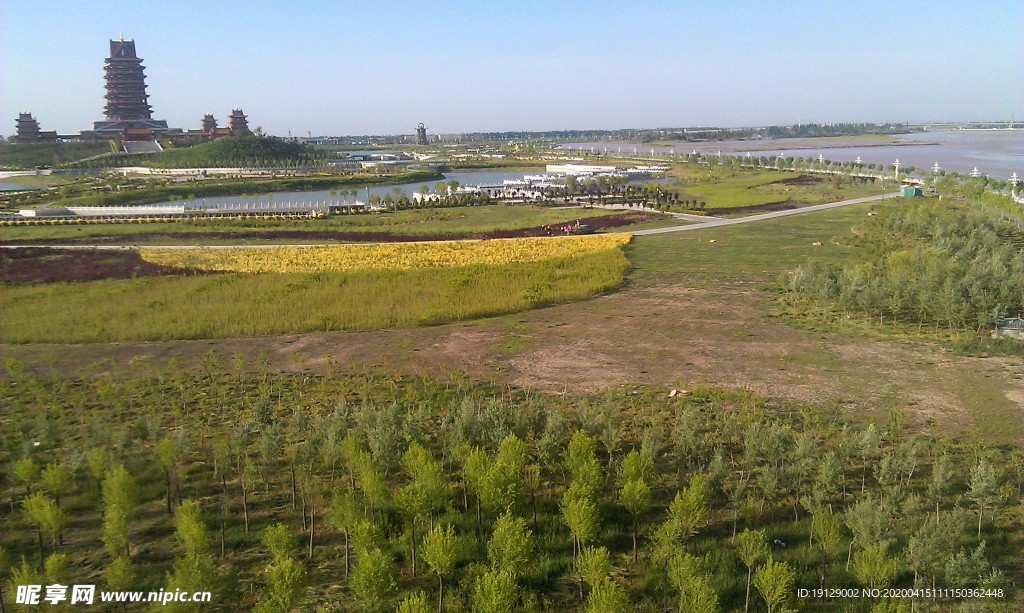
624,207
705,223
714,223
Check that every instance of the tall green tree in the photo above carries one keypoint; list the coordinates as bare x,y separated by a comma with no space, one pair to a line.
55,480
580,515
502,485
495,591
343,514
828,527
593,566
983,488
25,473
687,514
873,568
373,580
584,469
119,489
942,477
43,513
286,577
511,546
115,531
120,576
440,552
97,461
691,582
419,496
635,496
475,468
752,547
607,596
414,603
774,580
166,454
194,569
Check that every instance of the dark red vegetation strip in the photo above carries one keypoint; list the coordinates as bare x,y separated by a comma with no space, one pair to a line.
43,265
602,222
801,180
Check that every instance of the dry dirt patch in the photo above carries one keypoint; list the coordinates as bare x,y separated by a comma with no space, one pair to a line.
663,335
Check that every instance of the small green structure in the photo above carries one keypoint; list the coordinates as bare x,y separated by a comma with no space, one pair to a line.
1009,327
910,191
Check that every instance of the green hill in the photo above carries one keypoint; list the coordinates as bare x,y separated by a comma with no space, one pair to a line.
35,155
238,151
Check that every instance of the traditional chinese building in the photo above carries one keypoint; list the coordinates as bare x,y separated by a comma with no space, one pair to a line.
209,123
28,130
238,123
127,111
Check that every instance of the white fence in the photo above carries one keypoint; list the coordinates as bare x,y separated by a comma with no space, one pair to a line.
163,209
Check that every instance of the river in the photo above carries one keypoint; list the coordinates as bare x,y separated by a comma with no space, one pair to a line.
363,193
996,153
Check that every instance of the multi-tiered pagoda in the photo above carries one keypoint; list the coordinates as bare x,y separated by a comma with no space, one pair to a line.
29,132
209,123
238,123
127,110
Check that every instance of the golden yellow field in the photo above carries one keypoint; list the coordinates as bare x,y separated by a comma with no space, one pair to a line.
385,256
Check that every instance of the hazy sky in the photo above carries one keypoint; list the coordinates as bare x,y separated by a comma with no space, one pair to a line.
379,67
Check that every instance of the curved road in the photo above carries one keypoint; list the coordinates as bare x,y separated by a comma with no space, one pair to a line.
713,222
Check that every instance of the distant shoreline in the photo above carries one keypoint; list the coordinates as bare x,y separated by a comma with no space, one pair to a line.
854,146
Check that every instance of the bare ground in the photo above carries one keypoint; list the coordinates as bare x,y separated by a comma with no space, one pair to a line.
660,335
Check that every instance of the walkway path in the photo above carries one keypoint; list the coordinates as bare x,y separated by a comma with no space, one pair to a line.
704,223
715,222
645,209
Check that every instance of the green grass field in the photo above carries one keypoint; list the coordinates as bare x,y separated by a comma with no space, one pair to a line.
242,305
726,188
37,180
754,252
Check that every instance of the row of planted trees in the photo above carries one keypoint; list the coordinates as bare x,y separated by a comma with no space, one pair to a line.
928,263
442,495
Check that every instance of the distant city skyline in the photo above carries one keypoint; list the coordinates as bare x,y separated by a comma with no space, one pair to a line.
330,68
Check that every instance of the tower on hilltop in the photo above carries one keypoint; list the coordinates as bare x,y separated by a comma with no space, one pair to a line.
127,114
28,127
238,123
126,84
28,130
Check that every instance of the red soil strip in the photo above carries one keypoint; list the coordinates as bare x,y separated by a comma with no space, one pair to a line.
42,265
754,208
801,180
601,222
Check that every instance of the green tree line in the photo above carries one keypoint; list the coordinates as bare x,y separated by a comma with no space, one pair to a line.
929,263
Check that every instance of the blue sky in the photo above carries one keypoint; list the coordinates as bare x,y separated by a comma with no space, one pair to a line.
380,67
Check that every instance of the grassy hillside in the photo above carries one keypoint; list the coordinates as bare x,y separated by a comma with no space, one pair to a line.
239,151
33,155
228,151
